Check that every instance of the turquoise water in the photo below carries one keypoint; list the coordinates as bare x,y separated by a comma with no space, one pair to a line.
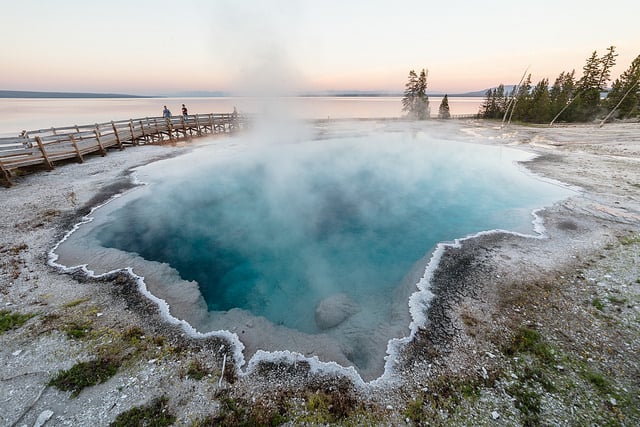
275,229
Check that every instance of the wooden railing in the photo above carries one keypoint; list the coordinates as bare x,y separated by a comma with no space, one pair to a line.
465,116
45,147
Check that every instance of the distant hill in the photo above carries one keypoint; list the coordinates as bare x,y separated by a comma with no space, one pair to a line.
507,90
197,94
30,94
215,94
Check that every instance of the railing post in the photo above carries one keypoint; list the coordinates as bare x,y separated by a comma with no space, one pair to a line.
170,129
158,134
6,174
115,132
145,135
102,150
73,142
44,152
184,126
198,129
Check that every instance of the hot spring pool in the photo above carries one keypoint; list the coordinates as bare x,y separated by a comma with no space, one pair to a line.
313,246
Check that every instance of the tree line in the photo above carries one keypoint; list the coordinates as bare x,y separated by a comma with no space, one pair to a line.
570,99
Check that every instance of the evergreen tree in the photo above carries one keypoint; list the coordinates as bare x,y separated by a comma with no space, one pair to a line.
502,100
443,111
625,91
495,104
522,100
409,99
540,104
486,109
569,99
561,94
415,101
596,74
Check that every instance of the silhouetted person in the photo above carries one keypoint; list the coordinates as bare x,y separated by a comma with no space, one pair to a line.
184,111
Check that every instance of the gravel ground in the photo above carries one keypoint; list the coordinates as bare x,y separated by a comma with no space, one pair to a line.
521,330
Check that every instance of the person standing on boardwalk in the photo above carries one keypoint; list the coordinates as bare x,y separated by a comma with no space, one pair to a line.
184,111
166,113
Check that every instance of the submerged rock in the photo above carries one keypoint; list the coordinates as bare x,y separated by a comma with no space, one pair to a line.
334,310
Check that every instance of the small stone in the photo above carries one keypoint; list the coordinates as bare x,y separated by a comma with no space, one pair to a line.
495,415
99,314
16,353
560,368
613,402
43,418
389,408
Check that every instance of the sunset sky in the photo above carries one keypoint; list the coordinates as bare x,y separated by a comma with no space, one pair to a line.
162,47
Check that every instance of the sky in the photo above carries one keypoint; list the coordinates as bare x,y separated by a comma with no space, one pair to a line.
162,47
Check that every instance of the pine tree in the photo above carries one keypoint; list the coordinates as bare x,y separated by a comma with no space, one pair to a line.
415,101
606,64
443,111
495,103
486,108
501,101
540,104
596,74
409,99
523,100
625,92
561,94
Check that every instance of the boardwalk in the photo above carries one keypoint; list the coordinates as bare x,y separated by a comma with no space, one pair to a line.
46,147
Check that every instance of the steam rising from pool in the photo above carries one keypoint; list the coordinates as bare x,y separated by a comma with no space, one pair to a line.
313,245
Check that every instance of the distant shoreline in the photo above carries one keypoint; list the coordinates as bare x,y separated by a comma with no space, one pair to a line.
30,94
22,94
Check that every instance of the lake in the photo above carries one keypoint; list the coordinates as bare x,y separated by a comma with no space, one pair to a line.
30,114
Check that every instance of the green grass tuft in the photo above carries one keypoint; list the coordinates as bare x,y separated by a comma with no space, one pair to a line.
10,320
630,240
528,340
196,371
597,380
85,374
528,402
77,330
597,303
155,414
75,302
241,413
414,411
